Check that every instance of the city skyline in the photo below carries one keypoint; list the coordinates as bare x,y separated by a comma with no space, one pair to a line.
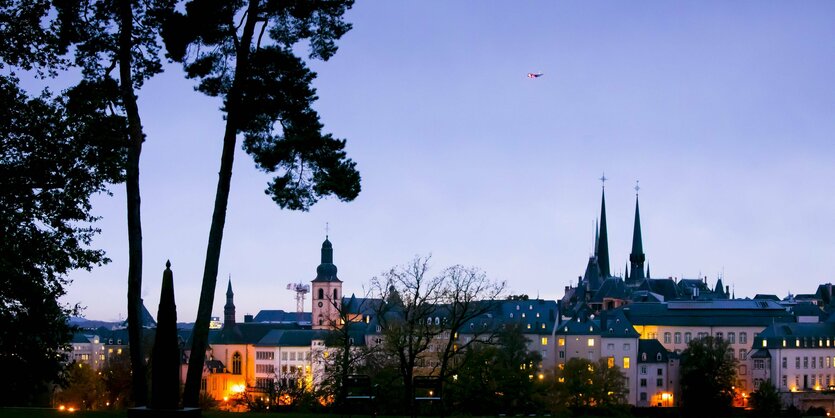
722,111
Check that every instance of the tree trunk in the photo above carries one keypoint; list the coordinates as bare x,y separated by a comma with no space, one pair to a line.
200,334
139,381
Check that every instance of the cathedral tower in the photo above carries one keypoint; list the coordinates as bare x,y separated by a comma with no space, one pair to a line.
637,257
603,238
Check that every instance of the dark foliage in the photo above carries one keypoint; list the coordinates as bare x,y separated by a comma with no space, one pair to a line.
766,400
498,378
708,375
55,153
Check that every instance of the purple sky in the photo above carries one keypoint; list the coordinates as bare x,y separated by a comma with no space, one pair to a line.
725,112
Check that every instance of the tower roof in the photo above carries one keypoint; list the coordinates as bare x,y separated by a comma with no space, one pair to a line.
603,240
637,257
326,272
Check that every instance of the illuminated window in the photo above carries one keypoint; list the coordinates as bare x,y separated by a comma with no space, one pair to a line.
236,363
591,342
765,343
561,342
610,362
544,340
626,362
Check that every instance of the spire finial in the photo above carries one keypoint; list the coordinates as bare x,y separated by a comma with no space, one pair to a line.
168,264
603,180
637,187
327,229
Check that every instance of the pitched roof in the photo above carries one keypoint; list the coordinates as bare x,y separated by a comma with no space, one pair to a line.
282,317
651,351
707,313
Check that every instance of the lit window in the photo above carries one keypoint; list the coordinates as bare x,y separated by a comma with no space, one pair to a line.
765,343
591,342
610,362
626,362
544,340
561,342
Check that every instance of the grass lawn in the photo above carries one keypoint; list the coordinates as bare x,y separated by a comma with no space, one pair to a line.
53,413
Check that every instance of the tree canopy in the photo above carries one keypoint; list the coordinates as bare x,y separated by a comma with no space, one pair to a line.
267,98
708,375
56,152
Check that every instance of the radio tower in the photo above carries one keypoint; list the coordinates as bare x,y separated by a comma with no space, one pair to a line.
301,290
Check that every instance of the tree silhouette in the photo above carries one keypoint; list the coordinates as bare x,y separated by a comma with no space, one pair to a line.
267,97
708,375
56,152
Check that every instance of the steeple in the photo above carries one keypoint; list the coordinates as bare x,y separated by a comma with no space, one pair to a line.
603,239
637,257
229,308
326,270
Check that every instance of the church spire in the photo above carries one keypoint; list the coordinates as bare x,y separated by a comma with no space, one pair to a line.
637,257
229,308
603,240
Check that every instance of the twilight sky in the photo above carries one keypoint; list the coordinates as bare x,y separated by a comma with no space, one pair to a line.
725,112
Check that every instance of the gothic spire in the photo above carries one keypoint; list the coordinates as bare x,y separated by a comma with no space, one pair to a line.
637,257
603,240
229,308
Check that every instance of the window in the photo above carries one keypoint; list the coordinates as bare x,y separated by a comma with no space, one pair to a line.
668,337
610,347
784,381
827,362
236,363
659,382
562,354
687,337
732,337
335,294
743,354
264,355
797,362
626,362
719,335
805,362
627,346
643,383
561,342
321,293
784,362
203,384
643,396
591,342
610,362
759,364
643,369
743,338
292,356
659,372
814,362
677,338
743,370
544,341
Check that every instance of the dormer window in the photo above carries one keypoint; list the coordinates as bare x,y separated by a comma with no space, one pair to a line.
643,356
658,357
611,330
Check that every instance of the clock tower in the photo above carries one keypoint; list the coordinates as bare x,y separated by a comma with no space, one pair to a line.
327,291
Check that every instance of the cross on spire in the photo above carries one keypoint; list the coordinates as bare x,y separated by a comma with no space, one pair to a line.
637,187
603,180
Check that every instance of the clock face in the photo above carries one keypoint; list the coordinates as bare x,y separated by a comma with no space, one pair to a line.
320,304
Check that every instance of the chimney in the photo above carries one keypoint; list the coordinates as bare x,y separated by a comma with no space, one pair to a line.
248,318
